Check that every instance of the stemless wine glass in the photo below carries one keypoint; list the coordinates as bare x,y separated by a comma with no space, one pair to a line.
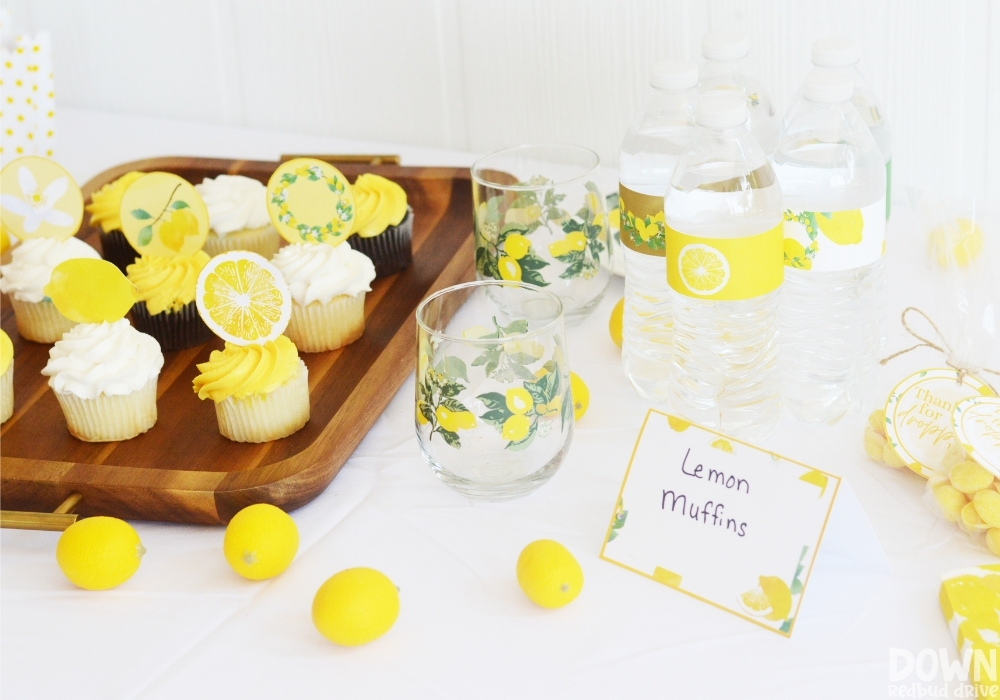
541,218
494,415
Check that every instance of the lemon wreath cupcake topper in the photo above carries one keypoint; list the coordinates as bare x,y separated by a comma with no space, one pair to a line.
310,201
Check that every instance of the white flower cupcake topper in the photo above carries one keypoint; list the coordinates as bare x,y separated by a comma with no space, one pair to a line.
47,203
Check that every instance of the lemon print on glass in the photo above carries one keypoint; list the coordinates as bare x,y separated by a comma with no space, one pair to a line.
39,200
162,214
510,269
704,270
90,291
243,299
453,421
516,246
841,227
771,599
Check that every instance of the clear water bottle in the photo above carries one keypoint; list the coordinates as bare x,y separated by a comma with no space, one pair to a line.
833,177
725,268
648,155
725,54
842,54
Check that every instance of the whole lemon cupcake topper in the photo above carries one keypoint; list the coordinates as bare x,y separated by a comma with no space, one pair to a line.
310,201
162,214
90,291
40,199
243,299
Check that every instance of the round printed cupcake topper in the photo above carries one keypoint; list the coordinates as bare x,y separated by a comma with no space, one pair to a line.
6,352
162,214
243,298
90,291
977,426
39,200
310,201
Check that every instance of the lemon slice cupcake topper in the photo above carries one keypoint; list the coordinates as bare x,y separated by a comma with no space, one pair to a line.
40,199
310,201
162,214
243,298
90,291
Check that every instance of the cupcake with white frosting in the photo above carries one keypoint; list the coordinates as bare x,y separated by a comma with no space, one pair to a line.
24,279
328,285
104,376
238,216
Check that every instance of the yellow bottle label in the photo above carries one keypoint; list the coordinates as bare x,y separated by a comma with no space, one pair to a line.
725,269
642,227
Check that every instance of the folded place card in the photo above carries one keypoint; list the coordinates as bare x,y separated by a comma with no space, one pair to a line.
725,522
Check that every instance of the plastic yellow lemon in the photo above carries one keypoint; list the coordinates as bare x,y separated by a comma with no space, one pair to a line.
964,238
548,574
969,477
581,395
704,270
516,246
90,291
510,269
261,541
515,428
842,227
615,322
243,298
772,599
355,607
99,553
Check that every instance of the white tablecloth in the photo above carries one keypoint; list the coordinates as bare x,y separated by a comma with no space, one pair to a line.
186,626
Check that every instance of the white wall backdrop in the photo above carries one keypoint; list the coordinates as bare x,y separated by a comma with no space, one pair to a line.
476,75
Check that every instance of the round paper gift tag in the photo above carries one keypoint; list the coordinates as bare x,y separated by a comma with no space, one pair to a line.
918,415
977,425
163,215
310,202
39,200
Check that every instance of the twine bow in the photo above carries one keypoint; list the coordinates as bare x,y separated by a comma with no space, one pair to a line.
944,348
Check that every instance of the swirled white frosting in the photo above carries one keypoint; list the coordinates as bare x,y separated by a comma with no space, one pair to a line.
319,271
234,203
32,263
113,359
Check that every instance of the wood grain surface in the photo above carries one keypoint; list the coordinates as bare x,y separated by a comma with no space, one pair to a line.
183,470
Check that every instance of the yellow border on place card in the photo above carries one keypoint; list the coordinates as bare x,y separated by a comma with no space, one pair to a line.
38,194
679,587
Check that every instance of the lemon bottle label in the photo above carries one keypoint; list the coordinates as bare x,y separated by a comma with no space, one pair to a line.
832,241
725,269
643,228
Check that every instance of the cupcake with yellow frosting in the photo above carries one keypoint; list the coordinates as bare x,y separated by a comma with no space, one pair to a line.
258,383
328,285
104,212
6,377
383,224
238,216
166,308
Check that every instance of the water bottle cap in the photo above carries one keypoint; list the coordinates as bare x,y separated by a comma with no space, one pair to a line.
835,52
828,86
721,110
674,75
724,46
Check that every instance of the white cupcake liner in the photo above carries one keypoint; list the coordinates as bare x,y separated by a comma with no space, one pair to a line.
319,327
7,393
261,418
110,418
39,321
263,241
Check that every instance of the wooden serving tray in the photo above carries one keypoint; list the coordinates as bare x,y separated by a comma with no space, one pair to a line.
183,470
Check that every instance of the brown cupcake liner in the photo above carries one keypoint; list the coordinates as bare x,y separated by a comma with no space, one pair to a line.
391,250
116,250
175,330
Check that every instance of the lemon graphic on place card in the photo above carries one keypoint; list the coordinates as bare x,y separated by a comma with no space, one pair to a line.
310,201
976,422
162,214
243,299
40,199
85,290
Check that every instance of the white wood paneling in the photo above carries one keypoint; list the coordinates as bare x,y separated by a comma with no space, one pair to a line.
475,75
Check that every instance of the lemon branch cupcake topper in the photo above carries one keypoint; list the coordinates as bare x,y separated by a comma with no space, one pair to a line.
162,214
310,201
40,200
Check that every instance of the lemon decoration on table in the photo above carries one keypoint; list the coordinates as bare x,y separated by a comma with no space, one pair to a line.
355,606
90,291
549,574
771,599
310,201
99,553
261,541
615,322
243,298
703,269
581,395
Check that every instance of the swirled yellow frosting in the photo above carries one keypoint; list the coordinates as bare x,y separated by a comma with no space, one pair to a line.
243,370
378,204
166,284
105,203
